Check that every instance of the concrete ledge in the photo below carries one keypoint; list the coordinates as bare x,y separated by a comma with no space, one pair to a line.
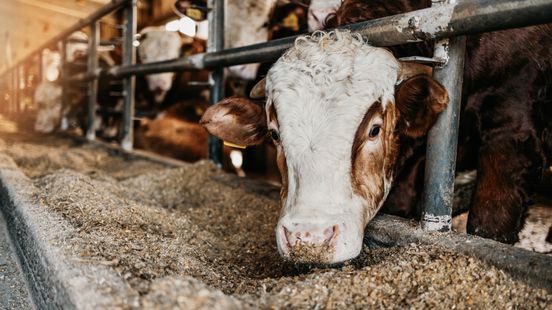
530,267
54,281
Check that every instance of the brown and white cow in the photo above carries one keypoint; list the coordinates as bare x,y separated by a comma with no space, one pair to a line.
248,22
158,44
335,108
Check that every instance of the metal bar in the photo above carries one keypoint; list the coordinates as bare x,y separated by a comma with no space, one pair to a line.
102,43
40,76
215,44
17,99
442,141
467,17
129,84
93,84
12,95
82,23
64,91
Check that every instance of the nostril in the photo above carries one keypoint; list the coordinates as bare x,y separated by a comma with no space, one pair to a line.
330,233
287,235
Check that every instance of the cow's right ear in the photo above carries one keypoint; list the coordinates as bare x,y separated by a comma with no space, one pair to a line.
236,120
419,100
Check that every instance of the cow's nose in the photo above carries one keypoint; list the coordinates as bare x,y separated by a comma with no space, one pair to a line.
298,234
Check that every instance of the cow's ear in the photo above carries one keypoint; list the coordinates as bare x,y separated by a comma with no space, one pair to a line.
236,120
419,100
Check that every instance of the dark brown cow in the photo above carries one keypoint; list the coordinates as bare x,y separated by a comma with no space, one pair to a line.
505,125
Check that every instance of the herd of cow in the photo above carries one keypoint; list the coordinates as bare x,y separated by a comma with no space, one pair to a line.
346,121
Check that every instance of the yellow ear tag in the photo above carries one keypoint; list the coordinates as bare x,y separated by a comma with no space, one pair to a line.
291,21
194,14
230,144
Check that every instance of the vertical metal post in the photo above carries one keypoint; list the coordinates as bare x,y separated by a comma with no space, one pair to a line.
442,139
129,83
40,68
216,43
64,86
16,89
93,45
12,91
18,74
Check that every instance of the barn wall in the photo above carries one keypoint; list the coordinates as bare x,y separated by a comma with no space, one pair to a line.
26,24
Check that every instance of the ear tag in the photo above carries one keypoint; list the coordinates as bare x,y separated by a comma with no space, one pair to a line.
199,111
230,144
291,21
194,14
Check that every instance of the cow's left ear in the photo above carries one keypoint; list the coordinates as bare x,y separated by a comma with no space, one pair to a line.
419,100
236,120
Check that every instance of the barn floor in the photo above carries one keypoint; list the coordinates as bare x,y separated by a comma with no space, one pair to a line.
192,237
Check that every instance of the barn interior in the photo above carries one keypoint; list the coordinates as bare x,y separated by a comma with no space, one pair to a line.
95,221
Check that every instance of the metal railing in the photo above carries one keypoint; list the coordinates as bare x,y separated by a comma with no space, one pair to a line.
445,19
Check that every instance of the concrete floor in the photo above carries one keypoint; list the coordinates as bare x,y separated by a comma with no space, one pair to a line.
13,289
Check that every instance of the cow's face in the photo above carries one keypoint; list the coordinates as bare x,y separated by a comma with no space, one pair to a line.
159,45
75,50
48,99
335,113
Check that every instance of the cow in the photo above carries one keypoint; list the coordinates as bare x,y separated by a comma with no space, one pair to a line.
175,132
339,112
250,23
48,99
158,44
48,92
51,115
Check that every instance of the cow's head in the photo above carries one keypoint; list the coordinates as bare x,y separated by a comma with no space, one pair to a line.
78,48
319,10
335,108
157,44
48,99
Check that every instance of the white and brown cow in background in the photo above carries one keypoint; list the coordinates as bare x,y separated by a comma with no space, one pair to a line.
48,92
158,44
335,108
247,22
47,97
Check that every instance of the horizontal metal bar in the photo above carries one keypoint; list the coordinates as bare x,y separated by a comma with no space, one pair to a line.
449,20
102,43
96,15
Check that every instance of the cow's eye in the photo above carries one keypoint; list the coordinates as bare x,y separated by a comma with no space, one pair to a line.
374,131
275,136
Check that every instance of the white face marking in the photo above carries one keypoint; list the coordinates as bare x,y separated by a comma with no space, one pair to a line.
159,45
319,11
321,90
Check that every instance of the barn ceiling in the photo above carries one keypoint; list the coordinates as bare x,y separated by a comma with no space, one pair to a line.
26,24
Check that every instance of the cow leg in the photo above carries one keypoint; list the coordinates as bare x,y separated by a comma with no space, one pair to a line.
509,167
